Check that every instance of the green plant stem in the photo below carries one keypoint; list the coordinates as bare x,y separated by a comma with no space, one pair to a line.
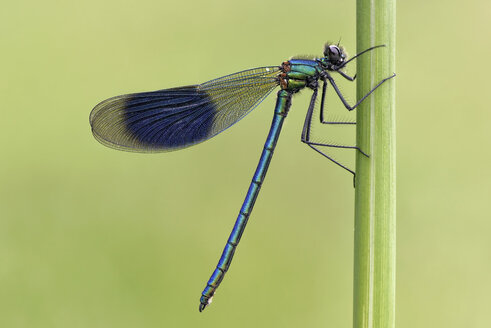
375,198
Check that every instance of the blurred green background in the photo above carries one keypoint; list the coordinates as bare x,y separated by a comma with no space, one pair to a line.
92,237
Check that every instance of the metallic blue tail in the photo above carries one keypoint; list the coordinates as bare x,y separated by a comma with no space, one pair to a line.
283,103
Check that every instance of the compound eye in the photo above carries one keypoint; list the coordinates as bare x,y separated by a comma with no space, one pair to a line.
334,53
334,49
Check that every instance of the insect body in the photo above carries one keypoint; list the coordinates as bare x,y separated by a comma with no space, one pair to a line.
172,119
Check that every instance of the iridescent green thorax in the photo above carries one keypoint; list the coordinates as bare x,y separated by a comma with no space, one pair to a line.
297,73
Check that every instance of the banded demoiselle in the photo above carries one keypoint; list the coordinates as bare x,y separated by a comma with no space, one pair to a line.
172,119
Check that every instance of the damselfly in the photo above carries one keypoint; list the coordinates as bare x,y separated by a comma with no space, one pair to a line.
172,119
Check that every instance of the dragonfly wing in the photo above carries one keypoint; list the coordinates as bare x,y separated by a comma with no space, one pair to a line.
172,119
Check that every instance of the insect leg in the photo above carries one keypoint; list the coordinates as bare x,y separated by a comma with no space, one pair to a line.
306,134
322,109
340,95
324,91
346,76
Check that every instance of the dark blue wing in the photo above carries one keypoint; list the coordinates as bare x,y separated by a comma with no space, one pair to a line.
172,119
